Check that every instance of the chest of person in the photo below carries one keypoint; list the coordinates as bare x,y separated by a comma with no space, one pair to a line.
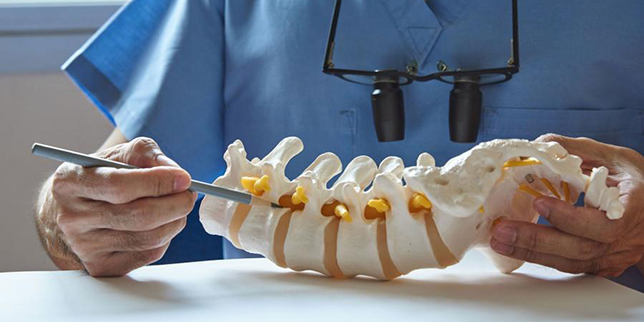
579,76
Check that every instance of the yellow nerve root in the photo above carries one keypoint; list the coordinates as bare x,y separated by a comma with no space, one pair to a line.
419,201
299,196
550,187
342,212
255,185
525,188
381,205
566,191
521,163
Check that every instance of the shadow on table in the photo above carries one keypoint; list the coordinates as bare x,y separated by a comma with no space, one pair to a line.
552,299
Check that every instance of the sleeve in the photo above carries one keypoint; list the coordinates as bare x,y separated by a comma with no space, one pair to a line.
156,69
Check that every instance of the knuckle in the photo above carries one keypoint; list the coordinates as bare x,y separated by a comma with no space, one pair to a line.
589,249
148,256
175,229
534,240
152,240
74,242
530,256
143,150
102,269
81,249
550,137
142,145
154,255
184,222
63,180
66,220
96,270
160,185
141,218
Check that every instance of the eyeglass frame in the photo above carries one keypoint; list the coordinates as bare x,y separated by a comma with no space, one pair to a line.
511,69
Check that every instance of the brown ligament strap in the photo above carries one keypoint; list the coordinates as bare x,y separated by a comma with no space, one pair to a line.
280,238
443,255
331,248
236,222
388,267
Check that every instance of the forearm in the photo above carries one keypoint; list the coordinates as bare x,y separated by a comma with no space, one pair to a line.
49,233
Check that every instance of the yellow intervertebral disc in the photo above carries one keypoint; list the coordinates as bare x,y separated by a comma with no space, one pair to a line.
381,205
255,185
299,196
342,212
419,201
521,163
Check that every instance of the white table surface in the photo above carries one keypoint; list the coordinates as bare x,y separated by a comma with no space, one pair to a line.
257,290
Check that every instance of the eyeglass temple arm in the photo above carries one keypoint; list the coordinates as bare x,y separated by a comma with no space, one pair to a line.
330,44
515,34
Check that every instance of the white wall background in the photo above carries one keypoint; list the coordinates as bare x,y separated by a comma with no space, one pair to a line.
43,108
38,103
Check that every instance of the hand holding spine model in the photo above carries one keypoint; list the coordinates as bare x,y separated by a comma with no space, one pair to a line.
392,229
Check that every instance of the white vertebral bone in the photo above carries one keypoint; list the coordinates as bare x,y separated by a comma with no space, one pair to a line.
460,202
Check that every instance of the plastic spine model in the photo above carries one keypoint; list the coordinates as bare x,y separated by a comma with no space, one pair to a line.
392,228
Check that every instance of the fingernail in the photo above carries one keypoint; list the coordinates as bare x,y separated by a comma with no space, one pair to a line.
542,207
505,234
501,248
181,183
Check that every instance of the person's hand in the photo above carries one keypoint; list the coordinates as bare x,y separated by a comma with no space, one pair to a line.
581,239
117,220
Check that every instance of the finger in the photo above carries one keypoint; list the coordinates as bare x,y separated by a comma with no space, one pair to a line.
119,186
580,221
557,262
549,240
615,264
121,263
593,153
145,214
581,147
139,215
109,241
141,152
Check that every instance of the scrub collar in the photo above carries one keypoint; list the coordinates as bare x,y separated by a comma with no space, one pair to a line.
420,23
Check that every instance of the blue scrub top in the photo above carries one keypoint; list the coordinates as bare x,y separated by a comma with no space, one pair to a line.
197,74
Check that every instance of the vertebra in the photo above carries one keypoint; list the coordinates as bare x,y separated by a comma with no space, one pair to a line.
392,229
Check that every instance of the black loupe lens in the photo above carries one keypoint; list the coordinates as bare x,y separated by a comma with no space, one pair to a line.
388,109
465,102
